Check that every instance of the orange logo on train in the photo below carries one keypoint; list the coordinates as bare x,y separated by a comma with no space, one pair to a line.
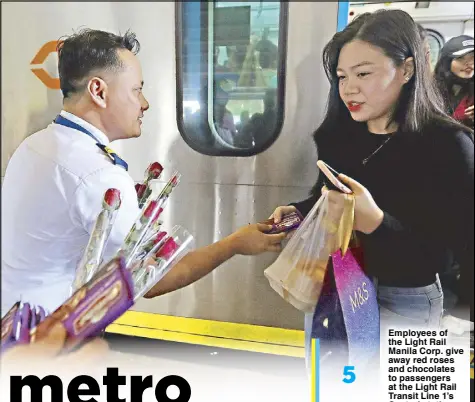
40,72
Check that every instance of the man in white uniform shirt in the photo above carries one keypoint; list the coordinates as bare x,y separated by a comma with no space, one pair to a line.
55,181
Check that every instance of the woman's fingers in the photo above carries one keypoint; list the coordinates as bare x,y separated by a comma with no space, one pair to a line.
281,212
337,183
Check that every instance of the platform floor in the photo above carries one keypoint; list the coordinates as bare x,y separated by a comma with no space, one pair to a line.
214,374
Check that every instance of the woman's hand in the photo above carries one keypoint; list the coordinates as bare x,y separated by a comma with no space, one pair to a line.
469,112
279,213
368,216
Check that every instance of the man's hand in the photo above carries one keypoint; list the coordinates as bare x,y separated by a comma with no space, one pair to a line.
253,240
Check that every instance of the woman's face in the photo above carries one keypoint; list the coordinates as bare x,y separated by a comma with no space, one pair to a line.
462,67
369,81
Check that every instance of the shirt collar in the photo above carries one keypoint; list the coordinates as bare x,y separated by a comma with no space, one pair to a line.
103,139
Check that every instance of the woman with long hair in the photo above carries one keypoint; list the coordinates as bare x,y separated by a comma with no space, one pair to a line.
425,41
408,164
454,76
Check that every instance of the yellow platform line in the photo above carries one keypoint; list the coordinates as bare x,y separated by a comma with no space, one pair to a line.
234,344
471,367
229,335
246,337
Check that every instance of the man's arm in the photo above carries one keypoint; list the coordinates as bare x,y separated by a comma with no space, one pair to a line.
249,240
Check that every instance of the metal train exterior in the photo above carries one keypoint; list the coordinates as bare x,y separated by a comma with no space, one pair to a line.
224,185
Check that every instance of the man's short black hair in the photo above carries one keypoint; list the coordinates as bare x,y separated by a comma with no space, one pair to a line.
88,52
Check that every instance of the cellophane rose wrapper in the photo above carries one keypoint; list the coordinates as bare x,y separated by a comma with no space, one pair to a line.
153,172
161,259
137,235
141,266
93,254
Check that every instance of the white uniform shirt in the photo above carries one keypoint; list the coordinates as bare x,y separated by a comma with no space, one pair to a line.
51,195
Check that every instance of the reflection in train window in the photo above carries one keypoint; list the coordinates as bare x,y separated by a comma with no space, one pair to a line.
230,75
436,43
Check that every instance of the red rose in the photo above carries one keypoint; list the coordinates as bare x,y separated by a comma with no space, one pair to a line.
159,237
149,211
154,170
175,180
167,250
112,199
160,210
140,188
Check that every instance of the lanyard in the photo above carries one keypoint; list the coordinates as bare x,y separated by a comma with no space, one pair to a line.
109,152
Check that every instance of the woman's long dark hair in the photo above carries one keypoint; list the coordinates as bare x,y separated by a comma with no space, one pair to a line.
446,79
396,33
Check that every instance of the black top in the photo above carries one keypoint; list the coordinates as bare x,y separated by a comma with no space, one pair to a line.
424,184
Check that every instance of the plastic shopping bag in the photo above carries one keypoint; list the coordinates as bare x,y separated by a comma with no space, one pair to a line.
298,273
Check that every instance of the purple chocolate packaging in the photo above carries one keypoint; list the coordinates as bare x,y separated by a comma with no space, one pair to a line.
17,320
16,326
95,305
8,335
40,314
22,325
289,222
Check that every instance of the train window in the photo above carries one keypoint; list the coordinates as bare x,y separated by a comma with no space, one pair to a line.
230,75
436,43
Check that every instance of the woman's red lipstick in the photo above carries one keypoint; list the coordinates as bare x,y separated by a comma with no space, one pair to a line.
354,107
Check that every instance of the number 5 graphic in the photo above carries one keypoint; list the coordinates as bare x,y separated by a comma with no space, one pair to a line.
349,374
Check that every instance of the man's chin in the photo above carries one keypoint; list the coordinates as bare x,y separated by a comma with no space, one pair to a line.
129,136
136,134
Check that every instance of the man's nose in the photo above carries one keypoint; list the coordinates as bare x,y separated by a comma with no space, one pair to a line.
145,104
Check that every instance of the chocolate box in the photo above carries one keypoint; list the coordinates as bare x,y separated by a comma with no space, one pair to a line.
94,306
289,222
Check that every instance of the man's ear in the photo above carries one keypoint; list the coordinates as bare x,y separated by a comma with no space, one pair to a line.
97,89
